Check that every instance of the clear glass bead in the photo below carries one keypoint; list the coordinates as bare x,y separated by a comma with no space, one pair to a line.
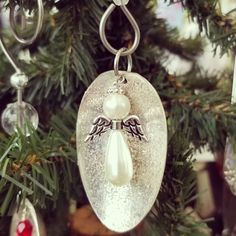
22,117
230,165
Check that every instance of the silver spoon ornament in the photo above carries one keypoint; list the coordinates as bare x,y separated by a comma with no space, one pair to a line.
121,161
121,139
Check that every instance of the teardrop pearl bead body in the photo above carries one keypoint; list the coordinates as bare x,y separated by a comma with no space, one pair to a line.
118,161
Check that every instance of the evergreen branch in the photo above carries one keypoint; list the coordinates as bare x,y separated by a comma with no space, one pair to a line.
220,29
207,116
176,192
33,165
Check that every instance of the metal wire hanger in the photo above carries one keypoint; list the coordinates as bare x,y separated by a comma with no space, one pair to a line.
122,51
122,4
19,80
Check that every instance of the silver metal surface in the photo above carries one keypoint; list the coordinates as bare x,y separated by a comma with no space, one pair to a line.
99,126
117,61
123,208
102,30
38,26
20,113
132,125
116,125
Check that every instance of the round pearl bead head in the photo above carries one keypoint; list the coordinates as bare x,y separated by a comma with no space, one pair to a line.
116,106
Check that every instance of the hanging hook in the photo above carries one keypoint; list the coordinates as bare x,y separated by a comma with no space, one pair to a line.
102,29
38,27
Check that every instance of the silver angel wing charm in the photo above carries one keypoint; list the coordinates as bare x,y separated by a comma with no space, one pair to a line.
133,126
100,125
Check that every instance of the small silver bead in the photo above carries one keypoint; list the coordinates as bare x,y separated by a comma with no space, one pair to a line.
116,125
19,80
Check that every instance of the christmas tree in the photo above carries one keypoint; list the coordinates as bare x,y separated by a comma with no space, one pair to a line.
64,60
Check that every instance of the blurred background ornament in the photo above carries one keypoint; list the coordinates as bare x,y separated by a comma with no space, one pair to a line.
25,221
20,115
15,114
230,165
230,148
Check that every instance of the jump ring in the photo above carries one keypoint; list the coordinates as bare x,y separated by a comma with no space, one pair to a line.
102,30
38,27
117,60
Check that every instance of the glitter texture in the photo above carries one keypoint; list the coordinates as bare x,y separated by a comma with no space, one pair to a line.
123,208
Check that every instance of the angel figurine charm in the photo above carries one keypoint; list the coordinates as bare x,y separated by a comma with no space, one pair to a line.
118,161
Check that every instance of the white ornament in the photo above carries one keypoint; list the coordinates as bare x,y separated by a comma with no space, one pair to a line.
121,168
118,161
